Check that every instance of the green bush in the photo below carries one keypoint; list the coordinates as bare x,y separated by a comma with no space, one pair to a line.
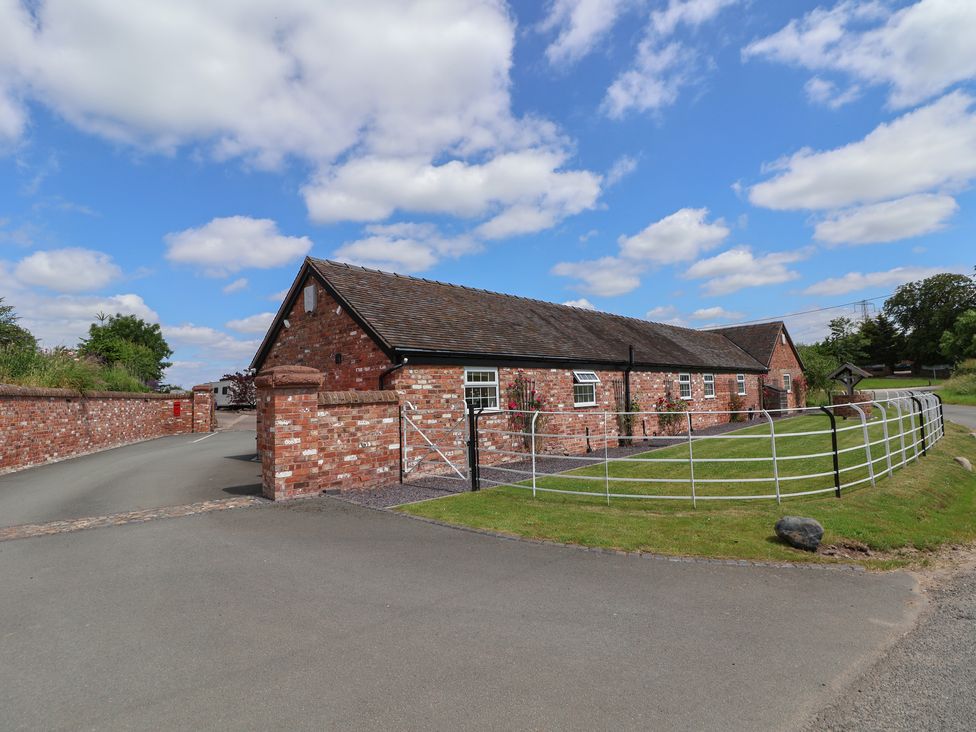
964,384
965,368
60,369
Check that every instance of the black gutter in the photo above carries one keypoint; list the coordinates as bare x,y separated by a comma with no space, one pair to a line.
390,370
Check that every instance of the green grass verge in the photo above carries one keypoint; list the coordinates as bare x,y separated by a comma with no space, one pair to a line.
917,510
909,382
954,397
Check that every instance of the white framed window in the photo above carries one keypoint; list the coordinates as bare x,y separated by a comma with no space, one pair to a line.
788,382
709,380
684,386
740,383
311,298
584,388
481,388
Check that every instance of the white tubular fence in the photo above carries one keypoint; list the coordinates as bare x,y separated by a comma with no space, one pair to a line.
755,455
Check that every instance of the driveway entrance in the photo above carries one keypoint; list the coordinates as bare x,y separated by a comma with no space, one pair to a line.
169,471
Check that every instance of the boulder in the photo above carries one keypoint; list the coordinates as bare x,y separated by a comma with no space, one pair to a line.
966,465
802,533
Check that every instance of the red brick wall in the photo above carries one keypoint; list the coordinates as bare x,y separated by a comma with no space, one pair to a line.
45,425
783,361
437,393
315,338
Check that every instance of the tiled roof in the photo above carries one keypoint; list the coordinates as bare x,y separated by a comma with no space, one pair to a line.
414,315
758,340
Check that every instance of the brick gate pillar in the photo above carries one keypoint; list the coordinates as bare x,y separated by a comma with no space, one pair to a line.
204,416
288,436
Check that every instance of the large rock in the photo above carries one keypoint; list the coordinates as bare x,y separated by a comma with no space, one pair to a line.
966,465
803,533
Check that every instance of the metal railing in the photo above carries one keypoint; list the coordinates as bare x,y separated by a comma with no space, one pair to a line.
776,454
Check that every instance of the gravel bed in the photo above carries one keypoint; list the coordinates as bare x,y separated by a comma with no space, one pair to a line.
926,681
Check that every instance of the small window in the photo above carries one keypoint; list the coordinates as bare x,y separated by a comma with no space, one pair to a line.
788,382
782,338
684,386
709,380
584,388
216,389
311,298
481,388
740,382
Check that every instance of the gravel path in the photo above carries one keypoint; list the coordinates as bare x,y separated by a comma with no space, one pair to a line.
925,681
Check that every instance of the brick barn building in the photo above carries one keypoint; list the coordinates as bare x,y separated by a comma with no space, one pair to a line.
438,344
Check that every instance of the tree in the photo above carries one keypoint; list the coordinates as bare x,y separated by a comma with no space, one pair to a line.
242,390
846,343
818,364
11,334
130,342
960,342
883,343
926,309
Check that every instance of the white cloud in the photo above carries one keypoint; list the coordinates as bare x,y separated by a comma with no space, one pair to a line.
68,270
662,66
236,286
226,245
581,24
62,320
739,268
856,281
716,313
404,247
825,92
667,314
679,237
917,51
582,303
258,323
279,296
209,341
604,277
523,191
621,168
390,105
887,221
932,147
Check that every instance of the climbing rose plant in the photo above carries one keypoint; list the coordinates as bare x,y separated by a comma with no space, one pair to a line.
522,400
671,419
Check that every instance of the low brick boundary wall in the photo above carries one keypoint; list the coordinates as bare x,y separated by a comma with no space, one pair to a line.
310,441
40,426
840,400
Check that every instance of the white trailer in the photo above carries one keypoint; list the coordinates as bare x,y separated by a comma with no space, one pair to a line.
221,393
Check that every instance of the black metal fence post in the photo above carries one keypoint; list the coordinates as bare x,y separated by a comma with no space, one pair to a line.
941,413
833,441
473,468
921,421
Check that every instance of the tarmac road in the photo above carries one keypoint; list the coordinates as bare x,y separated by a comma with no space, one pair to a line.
320,614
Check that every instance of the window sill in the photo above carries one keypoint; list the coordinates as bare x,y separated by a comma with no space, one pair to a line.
685,399
710,397
584,405
740,393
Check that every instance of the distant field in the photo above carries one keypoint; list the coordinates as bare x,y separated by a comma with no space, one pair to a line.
893,382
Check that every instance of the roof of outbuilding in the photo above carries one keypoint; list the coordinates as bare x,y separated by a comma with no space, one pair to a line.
414,315
758,339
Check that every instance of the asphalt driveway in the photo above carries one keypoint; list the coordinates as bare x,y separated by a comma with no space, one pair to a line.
323,615
961,414
168,471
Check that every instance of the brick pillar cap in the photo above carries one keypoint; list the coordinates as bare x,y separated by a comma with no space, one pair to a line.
289,377
202,387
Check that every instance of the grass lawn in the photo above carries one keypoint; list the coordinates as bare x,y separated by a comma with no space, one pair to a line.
908,382
922,506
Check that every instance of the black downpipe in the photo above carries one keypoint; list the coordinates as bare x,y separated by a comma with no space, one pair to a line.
921,422
833,441
627,400
474,469
390,370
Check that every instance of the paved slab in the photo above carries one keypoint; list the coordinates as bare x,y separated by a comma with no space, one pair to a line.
325,615
168,471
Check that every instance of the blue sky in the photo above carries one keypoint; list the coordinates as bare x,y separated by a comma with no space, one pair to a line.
691,161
